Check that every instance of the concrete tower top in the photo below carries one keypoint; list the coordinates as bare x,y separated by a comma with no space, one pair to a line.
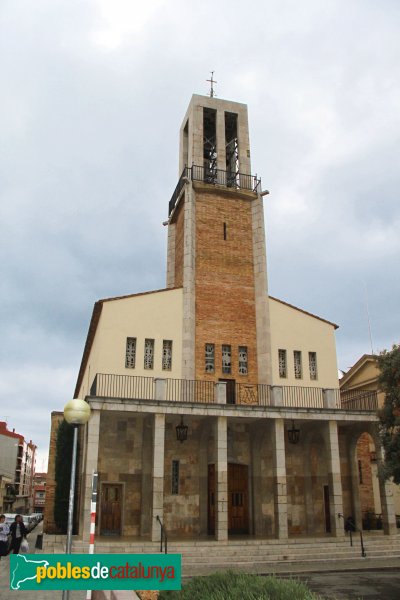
215,135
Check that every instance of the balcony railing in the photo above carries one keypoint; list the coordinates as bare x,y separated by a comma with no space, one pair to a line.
359,399
129,387
210,175
186,390
123,386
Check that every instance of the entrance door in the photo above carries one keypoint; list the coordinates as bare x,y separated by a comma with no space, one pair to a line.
111,509
327,509
230,390
238,499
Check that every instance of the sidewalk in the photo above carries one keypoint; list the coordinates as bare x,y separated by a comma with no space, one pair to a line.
7,594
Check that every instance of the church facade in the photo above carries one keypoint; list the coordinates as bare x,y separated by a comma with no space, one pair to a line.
215,408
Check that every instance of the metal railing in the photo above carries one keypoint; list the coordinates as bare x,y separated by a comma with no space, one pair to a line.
204,392
210,175
123,386
164,537
350,527
302,397
190,390
359,399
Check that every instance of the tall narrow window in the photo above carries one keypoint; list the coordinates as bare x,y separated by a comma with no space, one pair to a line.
148,353
175,477
224,231
243,368
231,149
297,364
167,355
312,359
282,363
130,353
210,145
226,359
209,358
360,473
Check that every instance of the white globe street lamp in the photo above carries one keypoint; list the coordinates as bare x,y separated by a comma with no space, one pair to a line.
76,412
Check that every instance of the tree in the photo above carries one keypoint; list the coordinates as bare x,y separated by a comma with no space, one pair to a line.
389,381
63,461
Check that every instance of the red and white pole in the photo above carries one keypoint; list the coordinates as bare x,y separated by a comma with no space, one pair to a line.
93,505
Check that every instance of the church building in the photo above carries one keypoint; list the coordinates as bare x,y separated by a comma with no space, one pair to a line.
215,407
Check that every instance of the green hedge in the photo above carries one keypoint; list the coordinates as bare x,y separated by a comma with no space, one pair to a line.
231,585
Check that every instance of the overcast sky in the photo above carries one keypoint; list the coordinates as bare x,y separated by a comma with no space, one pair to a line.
92,96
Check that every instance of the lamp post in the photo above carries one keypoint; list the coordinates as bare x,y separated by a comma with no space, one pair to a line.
76,412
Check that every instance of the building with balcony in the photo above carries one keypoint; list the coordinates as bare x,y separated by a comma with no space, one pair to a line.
17,463
39,492
215,407
362,381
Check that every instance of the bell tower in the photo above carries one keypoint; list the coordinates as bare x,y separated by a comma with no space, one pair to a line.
216,247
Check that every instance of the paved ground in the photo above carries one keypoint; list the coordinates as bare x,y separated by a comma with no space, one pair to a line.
383,584
7,594
368,585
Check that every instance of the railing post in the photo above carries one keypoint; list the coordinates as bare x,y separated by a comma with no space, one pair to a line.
220,392
276,395
329,398
160,389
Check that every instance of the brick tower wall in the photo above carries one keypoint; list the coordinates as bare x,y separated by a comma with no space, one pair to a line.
225,299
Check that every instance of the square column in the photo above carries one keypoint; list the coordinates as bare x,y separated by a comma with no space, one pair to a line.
221,477
157,507
354,477
92,455
334,478
280,489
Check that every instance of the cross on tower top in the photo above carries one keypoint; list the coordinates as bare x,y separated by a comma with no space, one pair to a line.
212,81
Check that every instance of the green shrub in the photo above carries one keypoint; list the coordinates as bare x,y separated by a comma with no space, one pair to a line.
231,585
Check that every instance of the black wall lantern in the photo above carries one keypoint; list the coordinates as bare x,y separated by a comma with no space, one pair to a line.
181,431
293,434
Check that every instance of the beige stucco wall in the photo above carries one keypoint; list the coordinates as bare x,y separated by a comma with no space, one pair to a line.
156,316
291,329
365,377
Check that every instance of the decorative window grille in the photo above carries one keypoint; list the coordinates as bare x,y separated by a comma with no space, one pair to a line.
226,359
243,367
148,354
282,363
167,355
312,359
130,354
175,477
210,358
297,364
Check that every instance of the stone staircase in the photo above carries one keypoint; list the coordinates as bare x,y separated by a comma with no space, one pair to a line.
299,555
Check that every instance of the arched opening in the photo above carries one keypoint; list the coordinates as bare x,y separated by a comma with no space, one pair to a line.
368,483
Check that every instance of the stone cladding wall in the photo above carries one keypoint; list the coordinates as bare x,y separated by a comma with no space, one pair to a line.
120,461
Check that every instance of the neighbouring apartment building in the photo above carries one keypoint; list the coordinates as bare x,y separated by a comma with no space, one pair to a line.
215,406
39,492
17,463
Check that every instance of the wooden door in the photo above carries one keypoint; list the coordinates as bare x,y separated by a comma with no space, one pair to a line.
238,499
327,509
111,509
230,390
